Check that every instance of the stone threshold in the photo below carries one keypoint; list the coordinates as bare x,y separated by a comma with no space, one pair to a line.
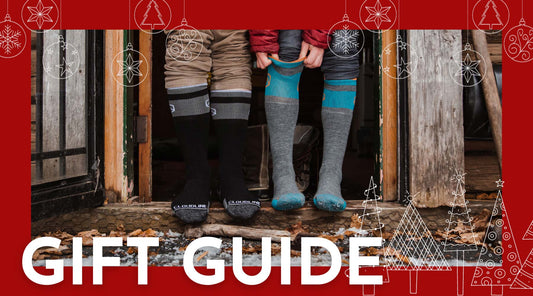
159,216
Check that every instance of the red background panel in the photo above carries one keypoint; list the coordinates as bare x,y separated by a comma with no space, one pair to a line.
238,14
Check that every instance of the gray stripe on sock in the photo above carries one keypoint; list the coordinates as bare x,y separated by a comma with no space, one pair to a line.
280,100
288,71
230,111
233,93
188,89
340,87
188,107
343,111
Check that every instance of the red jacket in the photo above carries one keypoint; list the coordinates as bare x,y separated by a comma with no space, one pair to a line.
267,40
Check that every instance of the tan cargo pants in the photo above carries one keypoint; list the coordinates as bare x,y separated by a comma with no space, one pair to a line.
224,53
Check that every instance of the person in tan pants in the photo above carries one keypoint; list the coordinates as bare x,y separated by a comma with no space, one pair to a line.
225,54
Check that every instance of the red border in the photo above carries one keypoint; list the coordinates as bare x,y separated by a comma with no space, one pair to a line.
232,14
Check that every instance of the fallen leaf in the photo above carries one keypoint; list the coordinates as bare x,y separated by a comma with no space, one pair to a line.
297,228
333,238
356,222
136,232
202,256
131,250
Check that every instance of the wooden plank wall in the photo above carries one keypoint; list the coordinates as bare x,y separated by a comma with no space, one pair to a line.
76,105
145,109
50,123
435,116
390,120
114,120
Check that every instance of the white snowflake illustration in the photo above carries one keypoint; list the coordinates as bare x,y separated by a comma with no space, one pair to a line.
345,40
130,68
9,39
469,68
378,14
40,14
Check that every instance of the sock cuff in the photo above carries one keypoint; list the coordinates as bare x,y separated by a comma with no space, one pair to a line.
231,93
339,94
188,101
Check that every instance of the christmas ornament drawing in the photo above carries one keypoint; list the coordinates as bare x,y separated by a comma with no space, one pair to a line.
465,71
60,59
518,42
128,67
402,69
152,16
12,38
378,14
490,270
39,15
345,38
491,16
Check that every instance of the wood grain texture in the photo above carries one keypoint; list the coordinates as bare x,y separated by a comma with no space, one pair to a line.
390,120
436,136
490,91
50,123
114,121
76,105
145,109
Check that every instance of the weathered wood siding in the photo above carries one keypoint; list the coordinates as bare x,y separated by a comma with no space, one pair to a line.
435,116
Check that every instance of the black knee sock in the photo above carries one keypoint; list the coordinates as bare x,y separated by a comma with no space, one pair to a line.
191,121
230,115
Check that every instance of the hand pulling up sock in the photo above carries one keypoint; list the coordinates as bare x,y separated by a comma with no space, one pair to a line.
337,110
190,111
230,110
281,106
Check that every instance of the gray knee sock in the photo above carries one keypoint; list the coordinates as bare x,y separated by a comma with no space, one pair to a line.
281,106
337,109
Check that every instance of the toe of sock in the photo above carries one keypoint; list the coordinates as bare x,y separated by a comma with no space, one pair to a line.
329,202
191,215
288,201
243,211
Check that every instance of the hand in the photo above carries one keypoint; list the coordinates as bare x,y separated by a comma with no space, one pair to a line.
263,61
314,59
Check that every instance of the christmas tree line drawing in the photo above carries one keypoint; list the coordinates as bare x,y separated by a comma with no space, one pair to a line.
459,224
529,232
491,15
413,239
491,270
152,17
371,225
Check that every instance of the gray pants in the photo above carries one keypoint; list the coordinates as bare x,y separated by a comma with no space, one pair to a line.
333,66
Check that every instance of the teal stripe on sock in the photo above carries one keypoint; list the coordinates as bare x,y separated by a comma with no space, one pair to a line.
339,94
283,84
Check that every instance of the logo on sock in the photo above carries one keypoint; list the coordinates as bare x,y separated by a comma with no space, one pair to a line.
213,111
172,108
207,103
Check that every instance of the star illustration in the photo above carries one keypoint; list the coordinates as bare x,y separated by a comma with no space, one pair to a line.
378,14
469,68
499,183
64,67
130,68
403,67
40,14
460,177
387,51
